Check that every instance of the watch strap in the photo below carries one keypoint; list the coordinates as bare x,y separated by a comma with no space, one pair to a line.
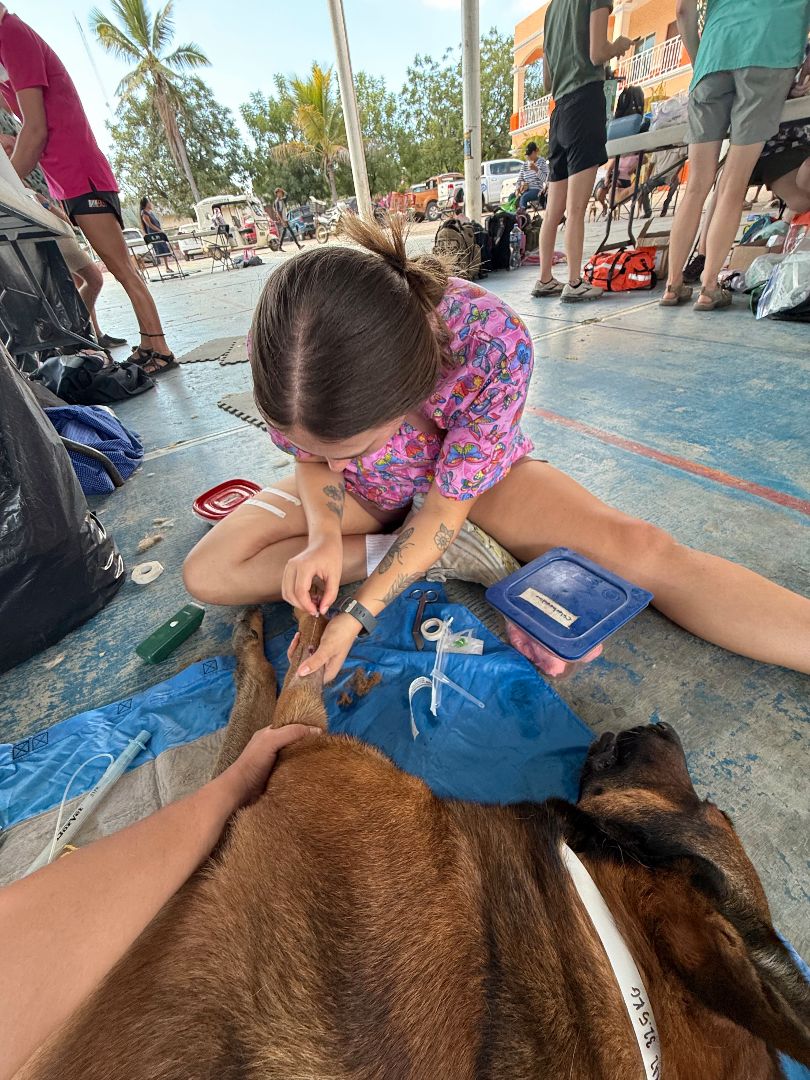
353,607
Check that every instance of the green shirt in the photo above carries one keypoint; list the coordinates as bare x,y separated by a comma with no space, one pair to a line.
567,45
752,33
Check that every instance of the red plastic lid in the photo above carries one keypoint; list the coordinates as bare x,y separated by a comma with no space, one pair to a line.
216,504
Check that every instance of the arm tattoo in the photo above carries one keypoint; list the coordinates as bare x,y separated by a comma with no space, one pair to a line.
444,537
401,582
394,553
336,496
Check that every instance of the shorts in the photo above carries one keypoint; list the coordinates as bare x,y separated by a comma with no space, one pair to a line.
744,105
773,167
72,253
94,202
578,132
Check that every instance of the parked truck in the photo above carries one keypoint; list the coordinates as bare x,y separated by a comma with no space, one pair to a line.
423,199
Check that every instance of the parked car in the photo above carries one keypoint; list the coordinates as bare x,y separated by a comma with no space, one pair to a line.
493,175
138,246
423,199
302,221
188,241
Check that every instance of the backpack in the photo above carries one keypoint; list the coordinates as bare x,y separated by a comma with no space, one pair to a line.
455,240
89,378
499,227
620,271
481,237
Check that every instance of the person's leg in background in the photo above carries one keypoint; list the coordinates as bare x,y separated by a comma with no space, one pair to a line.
580,186
725,220
89,280
703,160
644,199
547,285
527,197
106,238
792,192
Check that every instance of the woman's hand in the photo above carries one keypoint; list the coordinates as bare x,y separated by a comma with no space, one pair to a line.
322,558
246,779
336,643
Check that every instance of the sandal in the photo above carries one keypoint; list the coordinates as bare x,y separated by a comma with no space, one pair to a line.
679,294
139,356
718,298
156,363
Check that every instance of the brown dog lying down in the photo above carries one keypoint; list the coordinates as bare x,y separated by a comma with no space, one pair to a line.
352,926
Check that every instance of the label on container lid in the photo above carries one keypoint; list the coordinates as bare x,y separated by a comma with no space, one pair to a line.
549,607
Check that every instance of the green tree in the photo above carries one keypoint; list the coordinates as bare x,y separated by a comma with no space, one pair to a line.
382,135
431,117
142,161
139,38
317,119
269,120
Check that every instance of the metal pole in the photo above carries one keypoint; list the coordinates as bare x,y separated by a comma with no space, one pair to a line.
471,77
357,154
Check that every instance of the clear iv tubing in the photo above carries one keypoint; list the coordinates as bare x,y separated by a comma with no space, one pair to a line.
114,771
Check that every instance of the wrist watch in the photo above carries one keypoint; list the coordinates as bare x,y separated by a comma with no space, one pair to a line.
353,607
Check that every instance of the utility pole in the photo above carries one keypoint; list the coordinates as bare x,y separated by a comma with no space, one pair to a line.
471,78
357,154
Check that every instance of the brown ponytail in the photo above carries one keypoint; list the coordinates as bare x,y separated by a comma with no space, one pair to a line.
345,340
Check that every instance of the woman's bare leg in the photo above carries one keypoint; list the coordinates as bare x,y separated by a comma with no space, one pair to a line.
555,210
731,189
703,159
242,559
106,238
536,507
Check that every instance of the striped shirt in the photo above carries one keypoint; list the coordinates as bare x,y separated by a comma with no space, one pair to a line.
535,179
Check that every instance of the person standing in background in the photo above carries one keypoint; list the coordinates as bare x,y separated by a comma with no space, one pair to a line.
533,177
56,134
87,276
744,64
577,47
280,211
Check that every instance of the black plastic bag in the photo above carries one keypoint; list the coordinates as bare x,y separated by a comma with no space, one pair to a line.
57,565
89,378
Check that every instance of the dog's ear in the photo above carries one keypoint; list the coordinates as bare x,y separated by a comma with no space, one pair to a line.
711,923
731,959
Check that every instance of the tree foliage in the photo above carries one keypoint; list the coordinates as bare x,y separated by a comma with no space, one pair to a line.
134,35
317,119
143,164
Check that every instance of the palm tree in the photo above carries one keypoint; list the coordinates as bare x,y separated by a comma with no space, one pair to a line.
318,120
138,37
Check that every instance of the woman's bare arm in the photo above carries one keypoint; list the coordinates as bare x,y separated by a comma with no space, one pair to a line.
65,926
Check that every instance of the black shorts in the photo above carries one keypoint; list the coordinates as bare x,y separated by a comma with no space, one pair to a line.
94,202
773,167
578,132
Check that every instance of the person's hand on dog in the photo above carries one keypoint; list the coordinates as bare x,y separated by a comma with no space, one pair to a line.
335,646
247,778
322,558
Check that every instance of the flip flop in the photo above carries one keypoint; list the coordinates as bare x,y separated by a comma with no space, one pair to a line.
718,298
680,294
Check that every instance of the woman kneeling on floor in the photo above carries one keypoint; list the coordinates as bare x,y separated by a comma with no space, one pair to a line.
399,391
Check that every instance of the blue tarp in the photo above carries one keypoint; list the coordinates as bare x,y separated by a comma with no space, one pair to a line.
526,744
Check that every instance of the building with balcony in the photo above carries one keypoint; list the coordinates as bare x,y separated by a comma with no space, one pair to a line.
659,64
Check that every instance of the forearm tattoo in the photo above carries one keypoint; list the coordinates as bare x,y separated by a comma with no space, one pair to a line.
444,537
336,494
394,553
400,583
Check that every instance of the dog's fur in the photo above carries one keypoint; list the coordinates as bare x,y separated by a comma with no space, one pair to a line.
352,926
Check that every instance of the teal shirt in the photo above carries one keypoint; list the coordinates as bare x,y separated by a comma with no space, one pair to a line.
752,33
567,44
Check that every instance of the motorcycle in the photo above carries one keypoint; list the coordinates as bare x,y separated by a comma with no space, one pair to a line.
327,223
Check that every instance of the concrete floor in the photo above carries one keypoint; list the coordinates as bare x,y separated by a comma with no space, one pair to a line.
696,423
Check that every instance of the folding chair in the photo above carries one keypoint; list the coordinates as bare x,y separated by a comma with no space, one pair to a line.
220,251
152,240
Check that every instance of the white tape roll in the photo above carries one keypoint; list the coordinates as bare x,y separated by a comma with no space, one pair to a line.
147,572
432,629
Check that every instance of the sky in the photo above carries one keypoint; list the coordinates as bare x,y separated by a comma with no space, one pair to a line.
249,41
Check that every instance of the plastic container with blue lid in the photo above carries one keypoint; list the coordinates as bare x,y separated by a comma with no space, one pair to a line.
567,603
